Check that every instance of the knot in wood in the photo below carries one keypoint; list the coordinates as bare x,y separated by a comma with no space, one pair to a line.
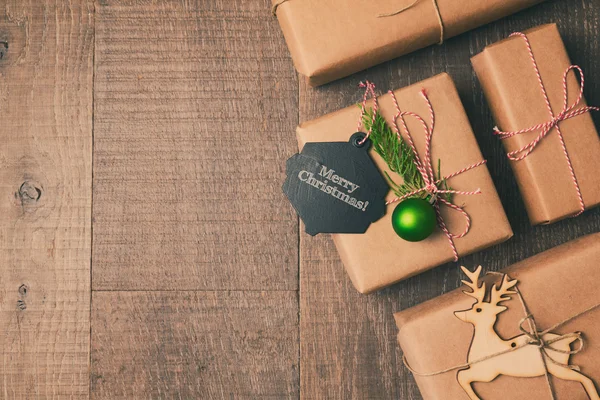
30,192
3,49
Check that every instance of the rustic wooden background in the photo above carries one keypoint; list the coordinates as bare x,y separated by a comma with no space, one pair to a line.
146,249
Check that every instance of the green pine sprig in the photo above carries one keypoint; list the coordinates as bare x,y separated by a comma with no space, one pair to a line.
399,157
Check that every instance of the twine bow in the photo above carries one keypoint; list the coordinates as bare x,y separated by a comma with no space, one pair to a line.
426,170
568,111
535,338
425,165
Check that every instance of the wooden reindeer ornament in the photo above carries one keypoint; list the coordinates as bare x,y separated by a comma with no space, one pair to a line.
527,355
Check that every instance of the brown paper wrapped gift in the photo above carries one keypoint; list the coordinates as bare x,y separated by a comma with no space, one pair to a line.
379,258
508,78
556,286
330,39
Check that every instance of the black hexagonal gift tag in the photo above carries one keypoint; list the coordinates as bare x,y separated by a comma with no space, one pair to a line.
335,187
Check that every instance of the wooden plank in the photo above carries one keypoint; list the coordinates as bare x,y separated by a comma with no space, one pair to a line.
195,345
195,109
46,80
348,347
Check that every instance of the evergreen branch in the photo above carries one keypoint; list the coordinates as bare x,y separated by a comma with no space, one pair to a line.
399,157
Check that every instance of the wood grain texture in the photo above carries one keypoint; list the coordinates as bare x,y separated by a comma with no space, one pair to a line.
195,108
46,66
348,346
195,345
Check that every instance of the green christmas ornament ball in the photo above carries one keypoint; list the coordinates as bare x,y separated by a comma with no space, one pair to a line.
414,219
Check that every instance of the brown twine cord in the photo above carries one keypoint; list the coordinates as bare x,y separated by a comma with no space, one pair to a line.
535,338
414,3
400,11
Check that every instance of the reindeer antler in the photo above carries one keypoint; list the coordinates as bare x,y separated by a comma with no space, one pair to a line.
477,292
501,292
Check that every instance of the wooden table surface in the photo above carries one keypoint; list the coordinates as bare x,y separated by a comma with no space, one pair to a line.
146,249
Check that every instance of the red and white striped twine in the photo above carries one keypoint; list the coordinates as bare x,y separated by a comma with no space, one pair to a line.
568,111
369,90
426,168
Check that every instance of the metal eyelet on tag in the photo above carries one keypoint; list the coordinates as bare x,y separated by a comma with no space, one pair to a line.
359,141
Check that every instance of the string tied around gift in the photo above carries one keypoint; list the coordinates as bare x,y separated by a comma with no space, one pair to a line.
535,338
424,166
436,8
369,90
391,14
568,111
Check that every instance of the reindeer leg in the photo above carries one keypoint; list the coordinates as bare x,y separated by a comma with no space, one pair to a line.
465,379
571,375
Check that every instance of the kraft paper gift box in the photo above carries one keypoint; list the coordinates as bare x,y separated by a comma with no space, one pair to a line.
330,39
379,258
556,286
509,81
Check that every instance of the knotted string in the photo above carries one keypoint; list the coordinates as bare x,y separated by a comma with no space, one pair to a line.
391,14
567,112
425,167
535,338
